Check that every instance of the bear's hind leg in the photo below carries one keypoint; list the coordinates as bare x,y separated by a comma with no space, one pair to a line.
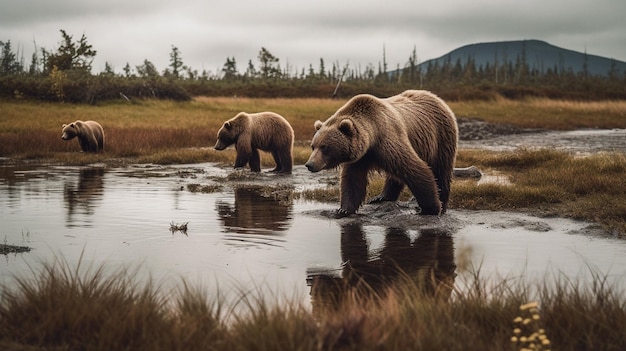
255,161
421,180
286,160
278,161
443,183
391,191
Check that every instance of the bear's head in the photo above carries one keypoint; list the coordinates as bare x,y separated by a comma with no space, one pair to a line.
336,141
230,131
70,131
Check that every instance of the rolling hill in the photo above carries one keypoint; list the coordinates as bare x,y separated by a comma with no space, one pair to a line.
538,55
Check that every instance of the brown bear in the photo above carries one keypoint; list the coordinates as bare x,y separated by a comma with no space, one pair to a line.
267,131
412,137
90,135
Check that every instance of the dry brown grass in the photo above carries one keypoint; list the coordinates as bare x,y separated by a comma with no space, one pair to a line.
146,128
95,308
546,113
549,182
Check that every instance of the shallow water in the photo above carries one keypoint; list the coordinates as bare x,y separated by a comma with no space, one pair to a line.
577,141
246,236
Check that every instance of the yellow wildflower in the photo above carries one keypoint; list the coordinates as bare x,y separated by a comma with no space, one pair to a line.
529,305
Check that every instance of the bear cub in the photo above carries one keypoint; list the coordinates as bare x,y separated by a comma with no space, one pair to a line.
411,137
89,133
251,132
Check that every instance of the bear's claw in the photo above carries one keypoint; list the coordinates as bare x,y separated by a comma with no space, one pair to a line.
341,213
377,199
429,212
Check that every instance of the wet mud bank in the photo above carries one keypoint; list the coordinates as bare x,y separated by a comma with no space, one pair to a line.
477,134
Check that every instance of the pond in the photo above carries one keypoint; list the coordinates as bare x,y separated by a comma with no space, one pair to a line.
244,234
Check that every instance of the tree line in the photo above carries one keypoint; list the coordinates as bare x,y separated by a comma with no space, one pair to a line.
65,75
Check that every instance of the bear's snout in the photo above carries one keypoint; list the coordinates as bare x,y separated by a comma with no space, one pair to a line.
312,166
219,146
315,163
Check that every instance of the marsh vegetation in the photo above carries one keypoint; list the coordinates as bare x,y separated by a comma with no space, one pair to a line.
164,132
96,308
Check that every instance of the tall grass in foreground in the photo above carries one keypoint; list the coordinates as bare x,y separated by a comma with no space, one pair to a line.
66,308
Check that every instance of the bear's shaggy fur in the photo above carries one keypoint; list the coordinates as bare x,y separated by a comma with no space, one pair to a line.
267,131
90,135
412,137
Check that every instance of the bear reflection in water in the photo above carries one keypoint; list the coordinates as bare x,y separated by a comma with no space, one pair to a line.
80,197
428,261
254,213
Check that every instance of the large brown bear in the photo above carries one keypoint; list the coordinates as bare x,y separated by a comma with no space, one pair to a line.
412,137
90,135
267,131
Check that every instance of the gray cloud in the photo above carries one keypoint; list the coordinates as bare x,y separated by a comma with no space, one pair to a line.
300,33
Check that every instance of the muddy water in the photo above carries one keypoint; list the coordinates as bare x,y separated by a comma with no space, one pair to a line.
248,234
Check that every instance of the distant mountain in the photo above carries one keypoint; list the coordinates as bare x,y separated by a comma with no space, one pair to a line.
537,54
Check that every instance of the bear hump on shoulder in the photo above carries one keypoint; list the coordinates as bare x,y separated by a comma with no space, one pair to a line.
363,104
241,119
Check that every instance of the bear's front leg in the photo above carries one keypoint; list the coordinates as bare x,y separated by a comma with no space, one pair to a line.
353,186
242,158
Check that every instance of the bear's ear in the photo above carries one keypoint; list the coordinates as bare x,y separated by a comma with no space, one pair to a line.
346,127
317,125
227,125
64,125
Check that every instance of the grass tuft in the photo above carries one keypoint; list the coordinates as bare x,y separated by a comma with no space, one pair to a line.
199,188
95,308
549,182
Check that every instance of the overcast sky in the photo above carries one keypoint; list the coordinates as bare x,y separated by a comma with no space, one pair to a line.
299,33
